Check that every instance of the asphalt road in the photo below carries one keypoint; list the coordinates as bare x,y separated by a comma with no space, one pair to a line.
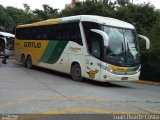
38,90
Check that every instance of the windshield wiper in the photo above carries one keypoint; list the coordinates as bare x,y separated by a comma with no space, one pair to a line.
130,54
122,47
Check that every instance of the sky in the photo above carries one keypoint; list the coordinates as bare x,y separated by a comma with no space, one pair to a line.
60,4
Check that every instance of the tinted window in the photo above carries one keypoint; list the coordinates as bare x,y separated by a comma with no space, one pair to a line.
93,40
66,31
96,45
75,34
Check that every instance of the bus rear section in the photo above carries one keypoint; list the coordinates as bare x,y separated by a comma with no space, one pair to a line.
6,44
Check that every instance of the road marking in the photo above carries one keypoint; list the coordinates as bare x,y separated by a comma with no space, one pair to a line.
85,110
71,111
59,98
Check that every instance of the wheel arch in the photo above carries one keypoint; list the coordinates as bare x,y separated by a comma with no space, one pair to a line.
22,55
80,64
73,63
29,55
74,71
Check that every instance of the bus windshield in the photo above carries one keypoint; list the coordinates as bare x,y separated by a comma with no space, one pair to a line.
123,47
10,43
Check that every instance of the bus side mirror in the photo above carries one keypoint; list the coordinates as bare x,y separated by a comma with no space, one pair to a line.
104,36
146,39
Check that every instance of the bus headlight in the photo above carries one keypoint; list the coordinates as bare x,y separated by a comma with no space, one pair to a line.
109,69
106,68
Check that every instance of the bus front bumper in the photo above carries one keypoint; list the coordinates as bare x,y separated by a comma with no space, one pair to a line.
107,76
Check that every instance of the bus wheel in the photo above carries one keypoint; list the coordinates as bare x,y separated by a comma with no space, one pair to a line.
29,62
76,72
23,60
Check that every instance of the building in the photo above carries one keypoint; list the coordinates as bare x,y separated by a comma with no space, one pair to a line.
72,4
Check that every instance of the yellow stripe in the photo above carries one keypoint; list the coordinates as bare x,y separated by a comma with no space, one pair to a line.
47,22
71,111
85,110
118,69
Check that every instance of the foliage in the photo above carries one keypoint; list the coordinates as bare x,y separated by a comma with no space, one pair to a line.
47,12
90,7
3,17
151,59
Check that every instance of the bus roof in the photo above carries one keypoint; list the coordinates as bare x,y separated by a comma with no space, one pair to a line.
5,34
90,18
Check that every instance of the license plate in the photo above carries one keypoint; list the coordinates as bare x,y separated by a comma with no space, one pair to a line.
124,78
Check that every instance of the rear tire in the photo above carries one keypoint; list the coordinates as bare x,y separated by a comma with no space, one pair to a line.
23,60
76,73
29,62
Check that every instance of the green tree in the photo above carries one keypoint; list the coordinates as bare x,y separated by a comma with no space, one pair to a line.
47,12
5,19
90,7
151,64
18,16
123,2
26,8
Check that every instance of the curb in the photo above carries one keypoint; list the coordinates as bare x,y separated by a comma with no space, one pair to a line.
148,82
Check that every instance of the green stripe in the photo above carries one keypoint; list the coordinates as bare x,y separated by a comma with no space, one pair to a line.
133,68
53,51
69,21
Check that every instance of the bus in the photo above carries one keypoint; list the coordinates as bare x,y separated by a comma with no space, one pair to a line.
84,46
6,44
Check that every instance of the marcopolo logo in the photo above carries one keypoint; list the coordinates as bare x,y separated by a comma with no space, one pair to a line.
32,44
74,49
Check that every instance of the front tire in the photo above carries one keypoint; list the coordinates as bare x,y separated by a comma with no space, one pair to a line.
76,73
29,62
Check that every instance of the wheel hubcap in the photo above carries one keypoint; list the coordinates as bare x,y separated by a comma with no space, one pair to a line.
77,72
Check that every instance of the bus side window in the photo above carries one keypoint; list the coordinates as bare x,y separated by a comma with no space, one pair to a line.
96,46
58,33
64,32
75,34
93,40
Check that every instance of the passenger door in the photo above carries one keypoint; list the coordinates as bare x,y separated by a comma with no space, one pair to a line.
94,58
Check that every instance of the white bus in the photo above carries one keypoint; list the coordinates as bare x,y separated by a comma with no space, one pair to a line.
6,44
85,46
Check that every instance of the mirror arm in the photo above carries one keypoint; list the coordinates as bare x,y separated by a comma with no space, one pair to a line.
103,34
146,39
